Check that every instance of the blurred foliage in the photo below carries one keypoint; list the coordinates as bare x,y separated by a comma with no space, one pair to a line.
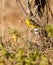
14,37
21,57
49,30
18,55
14,31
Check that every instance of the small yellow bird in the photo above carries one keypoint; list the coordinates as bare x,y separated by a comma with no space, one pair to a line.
29,23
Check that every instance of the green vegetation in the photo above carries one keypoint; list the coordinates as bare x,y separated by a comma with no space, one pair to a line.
22,57
49,30
13,52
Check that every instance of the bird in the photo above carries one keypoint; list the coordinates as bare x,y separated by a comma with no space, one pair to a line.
30,23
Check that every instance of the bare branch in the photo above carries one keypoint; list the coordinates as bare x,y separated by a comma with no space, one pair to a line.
18,1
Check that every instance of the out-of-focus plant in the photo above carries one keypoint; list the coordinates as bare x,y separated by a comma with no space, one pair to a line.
14,37
21,57
32,58
15,34
2,54
49,30
44,60
2,50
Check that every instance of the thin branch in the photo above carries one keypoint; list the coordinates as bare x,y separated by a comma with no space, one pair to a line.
29,7
50,9
21,6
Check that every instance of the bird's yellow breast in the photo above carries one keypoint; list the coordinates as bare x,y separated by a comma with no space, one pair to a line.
28,22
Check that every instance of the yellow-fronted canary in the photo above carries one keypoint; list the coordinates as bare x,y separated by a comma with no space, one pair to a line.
30,23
